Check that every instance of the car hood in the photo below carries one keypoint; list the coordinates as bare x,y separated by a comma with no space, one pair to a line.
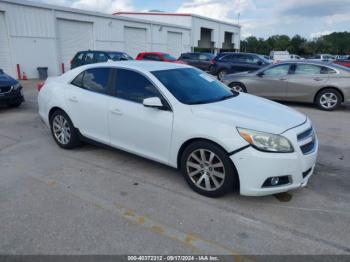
6,80
252,112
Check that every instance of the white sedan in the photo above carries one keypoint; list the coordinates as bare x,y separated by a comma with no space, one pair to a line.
180,116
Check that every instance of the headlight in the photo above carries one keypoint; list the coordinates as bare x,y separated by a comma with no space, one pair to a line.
16,86
265,141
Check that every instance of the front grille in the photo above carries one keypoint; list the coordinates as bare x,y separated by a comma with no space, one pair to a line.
5,89
308,148
307,141
307,133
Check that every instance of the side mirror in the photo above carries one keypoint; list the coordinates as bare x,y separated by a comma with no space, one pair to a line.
260,74
154,102
259,63
1,71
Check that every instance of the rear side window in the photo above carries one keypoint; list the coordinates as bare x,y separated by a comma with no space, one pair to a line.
228,58
101,57
133,86
89,58
95,79
305,69
79,57
327,70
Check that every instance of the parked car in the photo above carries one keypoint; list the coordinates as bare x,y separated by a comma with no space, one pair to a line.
199,60
10,91
342,57
94,56
327,85
343,62
158,56
278,56
295,57
323,57
227,63
180,116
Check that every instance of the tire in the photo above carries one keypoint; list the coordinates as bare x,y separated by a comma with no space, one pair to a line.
199,174
60,123
15,104
328,99
222,73
238,87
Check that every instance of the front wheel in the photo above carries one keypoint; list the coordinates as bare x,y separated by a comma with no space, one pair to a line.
208,169
328,99
238,87
63,131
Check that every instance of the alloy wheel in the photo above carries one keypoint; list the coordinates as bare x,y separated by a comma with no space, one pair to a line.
61,129
328,100
237,88
205,169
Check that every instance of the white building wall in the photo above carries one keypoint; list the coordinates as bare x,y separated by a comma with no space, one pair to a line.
33,34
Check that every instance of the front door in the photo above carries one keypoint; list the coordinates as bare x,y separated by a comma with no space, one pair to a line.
272,83
134,127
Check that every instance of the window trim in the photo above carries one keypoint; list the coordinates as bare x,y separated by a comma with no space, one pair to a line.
163,98
290,70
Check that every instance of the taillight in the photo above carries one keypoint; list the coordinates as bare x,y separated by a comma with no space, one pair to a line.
213,62
41,85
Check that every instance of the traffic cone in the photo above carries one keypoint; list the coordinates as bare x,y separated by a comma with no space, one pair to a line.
24,76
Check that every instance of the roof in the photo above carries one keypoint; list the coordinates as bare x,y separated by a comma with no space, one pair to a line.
177,14
153,53
141,65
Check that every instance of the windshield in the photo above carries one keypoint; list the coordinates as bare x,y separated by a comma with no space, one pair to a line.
265,60
192,86
340,67
169,57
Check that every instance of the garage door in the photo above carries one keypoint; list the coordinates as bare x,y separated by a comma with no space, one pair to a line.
135,40
5,59
73,36
174,43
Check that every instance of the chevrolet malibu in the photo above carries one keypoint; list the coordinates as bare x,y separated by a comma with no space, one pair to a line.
179,116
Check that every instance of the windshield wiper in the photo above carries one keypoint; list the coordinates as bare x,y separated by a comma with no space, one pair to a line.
213,100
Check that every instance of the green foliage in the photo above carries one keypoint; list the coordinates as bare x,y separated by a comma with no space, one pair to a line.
336,43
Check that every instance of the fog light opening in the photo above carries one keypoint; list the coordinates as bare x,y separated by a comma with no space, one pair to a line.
276,181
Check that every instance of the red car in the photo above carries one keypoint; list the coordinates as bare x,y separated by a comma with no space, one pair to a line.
158,56
343,62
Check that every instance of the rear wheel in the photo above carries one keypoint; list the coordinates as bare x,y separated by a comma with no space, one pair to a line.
208,169
63,131
238,87
328,99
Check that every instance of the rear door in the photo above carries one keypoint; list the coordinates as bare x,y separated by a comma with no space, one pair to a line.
272,83
204,61
304,82
87,99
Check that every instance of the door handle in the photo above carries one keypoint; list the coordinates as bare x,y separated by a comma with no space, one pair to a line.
318,79
116,111
73,99
283,79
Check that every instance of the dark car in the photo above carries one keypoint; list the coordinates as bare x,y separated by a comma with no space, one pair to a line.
228,63
199,60
94,56
10,91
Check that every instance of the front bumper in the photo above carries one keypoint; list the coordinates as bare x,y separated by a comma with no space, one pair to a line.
11,97
255,167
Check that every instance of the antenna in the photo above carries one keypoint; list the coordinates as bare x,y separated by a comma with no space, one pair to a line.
239,12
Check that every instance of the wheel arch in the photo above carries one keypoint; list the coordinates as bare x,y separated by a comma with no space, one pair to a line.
329,87
197,139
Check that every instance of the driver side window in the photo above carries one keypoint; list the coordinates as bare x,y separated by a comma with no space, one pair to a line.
133,86
279,70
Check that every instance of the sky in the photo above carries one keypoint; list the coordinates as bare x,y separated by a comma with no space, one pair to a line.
261,18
